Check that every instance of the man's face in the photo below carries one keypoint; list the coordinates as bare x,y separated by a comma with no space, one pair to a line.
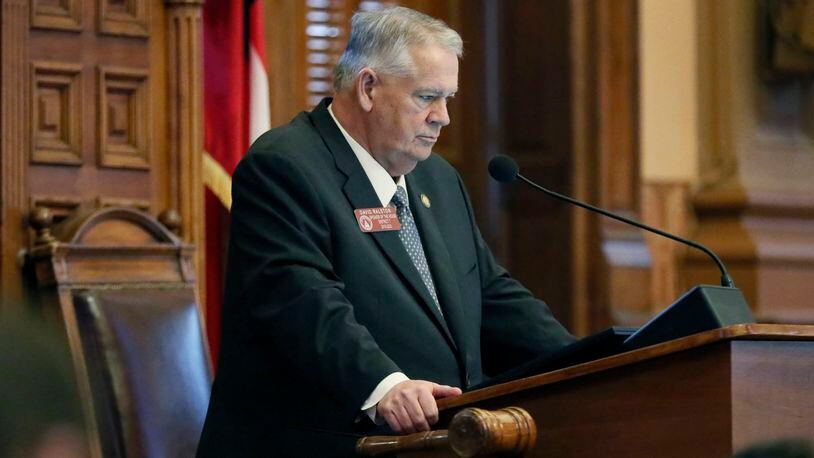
408,112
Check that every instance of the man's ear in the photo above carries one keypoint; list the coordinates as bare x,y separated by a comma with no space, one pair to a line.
367,83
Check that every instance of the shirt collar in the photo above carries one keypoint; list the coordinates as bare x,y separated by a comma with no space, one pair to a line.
382,182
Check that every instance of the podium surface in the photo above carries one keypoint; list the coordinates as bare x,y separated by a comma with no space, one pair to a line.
706,395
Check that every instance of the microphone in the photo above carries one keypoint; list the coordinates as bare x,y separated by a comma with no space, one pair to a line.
505,170
702,308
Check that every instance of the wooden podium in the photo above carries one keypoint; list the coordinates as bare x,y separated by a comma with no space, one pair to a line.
706,395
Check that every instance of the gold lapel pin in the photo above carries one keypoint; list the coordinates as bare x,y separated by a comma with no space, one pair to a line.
425,200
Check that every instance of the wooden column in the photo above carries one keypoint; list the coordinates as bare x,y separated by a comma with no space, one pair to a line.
185,96
588,302
665,205
626,255
610,260
14,139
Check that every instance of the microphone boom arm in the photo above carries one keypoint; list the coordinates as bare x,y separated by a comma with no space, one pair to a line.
726,280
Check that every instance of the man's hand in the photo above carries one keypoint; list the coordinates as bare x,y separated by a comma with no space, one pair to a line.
410,405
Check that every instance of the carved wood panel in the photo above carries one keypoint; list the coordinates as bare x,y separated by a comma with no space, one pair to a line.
91,120
14,139
123,17
105,201
57,14
56,114
627,259
60,207
87,81
124,134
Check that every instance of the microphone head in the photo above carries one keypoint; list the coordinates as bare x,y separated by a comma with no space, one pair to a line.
503,168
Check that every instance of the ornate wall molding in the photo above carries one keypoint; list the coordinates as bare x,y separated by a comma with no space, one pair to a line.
108,201
61,15
60,207
626,255
666,205
185,82
124,132
127,18
766,240
56,113
14,139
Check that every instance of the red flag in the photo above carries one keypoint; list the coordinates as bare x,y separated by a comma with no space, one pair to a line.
236,112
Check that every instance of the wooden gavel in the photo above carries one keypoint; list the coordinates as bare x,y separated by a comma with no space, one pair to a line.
472,433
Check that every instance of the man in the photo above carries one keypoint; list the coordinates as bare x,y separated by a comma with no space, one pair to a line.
359,287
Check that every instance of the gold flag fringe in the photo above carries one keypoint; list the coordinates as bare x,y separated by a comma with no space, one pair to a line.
217,180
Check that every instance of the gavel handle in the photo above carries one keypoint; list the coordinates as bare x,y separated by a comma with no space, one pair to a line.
472,432
382,445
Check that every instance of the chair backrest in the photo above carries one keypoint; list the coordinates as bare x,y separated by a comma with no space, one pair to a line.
126,289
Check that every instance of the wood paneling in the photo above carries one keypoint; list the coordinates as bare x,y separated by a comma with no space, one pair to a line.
479,106
779,372
124,129
60,207
141,204
618,92
127,18
665,206
115,84
626,255
56,115
285,61
185,148
766,242
57,15
536,125
15,139
89,117
589,286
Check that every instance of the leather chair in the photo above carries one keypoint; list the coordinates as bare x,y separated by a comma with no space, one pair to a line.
126,288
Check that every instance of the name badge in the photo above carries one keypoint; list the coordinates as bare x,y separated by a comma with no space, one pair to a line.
378,219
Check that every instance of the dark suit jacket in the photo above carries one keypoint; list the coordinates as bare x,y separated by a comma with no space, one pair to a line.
317,312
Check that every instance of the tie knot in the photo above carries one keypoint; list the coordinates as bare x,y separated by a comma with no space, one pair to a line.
400,197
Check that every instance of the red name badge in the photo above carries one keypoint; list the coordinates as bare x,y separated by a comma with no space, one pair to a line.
377,219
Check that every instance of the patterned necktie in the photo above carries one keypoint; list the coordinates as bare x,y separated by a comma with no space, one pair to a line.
412,241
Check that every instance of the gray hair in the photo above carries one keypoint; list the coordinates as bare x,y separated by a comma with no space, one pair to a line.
381,40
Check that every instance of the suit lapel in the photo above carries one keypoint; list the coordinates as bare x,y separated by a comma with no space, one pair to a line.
438,258
361,194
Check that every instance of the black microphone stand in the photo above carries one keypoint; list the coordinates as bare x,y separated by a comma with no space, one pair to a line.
726,280
702,308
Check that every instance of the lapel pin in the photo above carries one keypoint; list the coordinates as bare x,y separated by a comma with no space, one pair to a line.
425,200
